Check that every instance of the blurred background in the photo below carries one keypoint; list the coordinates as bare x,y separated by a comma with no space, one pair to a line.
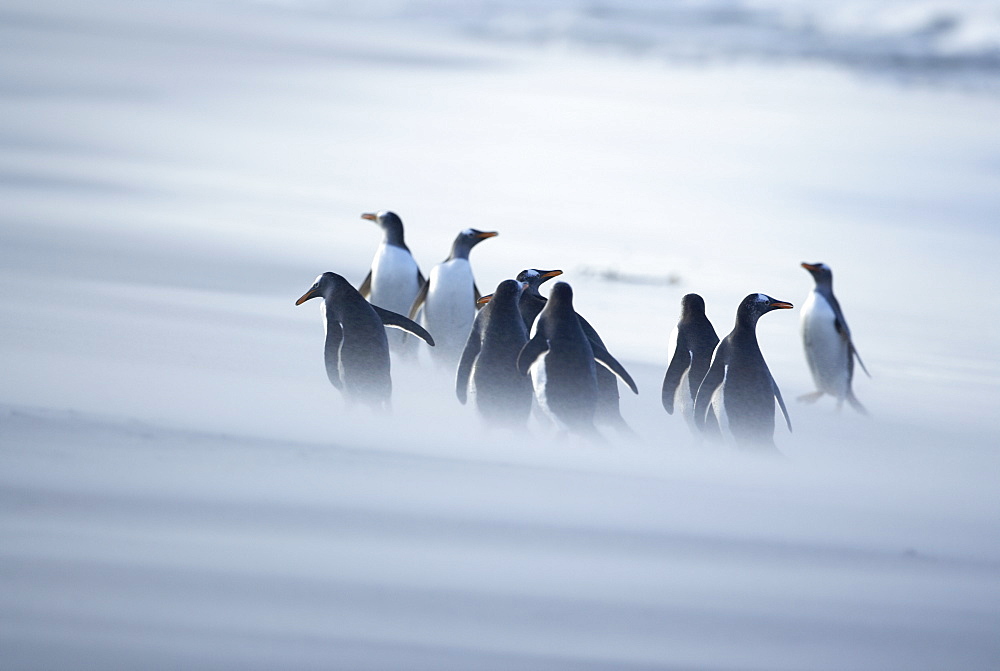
180,485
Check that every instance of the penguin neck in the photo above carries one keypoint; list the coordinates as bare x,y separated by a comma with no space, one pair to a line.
530,304
825,289
506,306
393,235
746,327
693,317
459,250
564,315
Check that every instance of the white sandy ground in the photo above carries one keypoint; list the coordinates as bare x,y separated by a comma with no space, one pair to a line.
180,487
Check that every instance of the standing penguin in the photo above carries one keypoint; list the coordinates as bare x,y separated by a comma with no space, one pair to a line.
394,279
829,349
531,304
692,342
357,351
448,298
489,363
562,363
738,389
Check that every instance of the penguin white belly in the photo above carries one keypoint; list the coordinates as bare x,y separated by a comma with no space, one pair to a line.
450,306
683,401
826,351
718,406
394,279
539,381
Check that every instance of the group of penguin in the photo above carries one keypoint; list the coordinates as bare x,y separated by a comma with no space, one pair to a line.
515,349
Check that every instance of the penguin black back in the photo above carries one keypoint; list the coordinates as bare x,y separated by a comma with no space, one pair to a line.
693,341
489,361
565,378
738,387
356,350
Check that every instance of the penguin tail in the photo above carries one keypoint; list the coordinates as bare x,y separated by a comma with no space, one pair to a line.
811,397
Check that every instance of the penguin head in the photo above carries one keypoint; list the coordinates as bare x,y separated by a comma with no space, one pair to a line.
391,225
324,287
755,305
507,289
468,239
692,304
820,272
562,295
535,278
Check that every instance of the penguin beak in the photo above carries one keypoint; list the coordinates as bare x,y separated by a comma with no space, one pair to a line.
486,234
369,216
811,267
781,305
484,300
551,273
307,295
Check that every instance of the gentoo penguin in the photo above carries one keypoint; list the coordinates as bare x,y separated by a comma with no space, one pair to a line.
532,301
357,351
561,360
447,299
531,304
394,279
692,342
738,390
827,340
488,366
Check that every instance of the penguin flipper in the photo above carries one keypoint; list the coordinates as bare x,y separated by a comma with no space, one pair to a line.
366,286
334,337
603,357
781,404
472,347
419,300
853,352
532,349
589,331
680,361
395,320
811,397
713,378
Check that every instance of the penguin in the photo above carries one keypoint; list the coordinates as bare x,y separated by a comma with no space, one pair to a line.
395,278
738,391
532,301
608,410
488,366
562,363
447,301
357,350
827,340
692,342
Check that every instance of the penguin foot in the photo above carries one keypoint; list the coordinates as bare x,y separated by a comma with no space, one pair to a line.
810,398
856,404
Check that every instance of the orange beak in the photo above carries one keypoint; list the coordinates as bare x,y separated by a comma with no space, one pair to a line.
306,296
